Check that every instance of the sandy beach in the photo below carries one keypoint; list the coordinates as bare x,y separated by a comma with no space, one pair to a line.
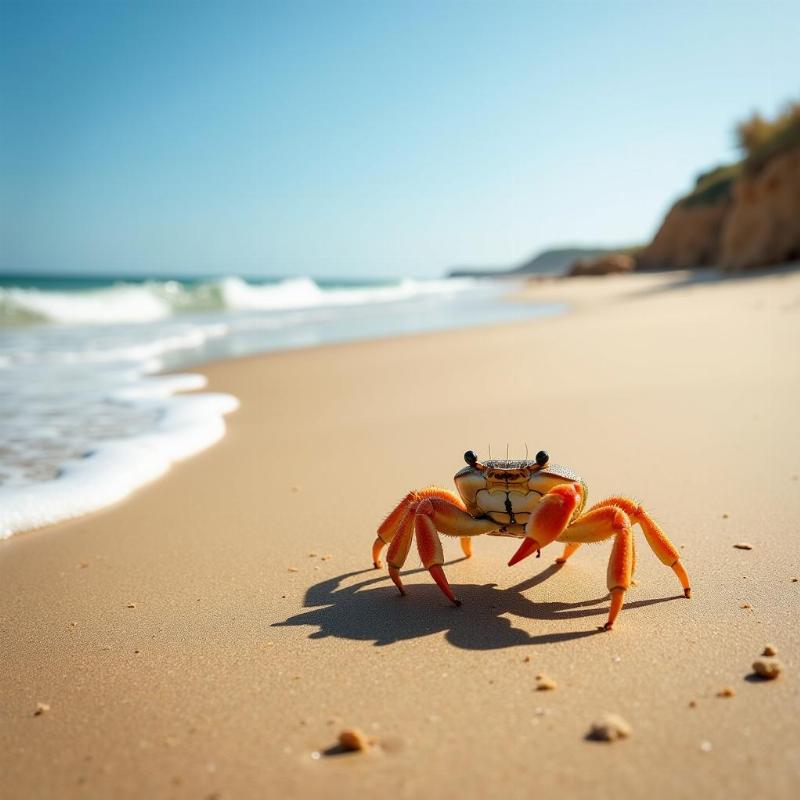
212,635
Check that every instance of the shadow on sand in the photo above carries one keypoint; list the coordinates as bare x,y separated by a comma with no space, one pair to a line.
372,610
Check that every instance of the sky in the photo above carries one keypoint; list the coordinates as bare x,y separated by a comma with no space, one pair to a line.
364,139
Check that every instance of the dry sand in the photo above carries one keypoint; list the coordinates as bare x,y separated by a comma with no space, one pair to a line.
180,655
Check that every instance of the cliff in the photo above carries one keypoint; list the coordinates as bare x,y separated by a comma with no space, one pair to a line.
739,216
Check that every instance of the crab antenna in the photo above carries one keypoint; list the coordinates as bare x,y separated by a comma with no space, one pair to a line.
526,451
490,452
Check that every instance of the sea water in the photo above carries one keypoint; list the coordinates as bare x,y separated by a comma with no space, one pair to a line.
87,414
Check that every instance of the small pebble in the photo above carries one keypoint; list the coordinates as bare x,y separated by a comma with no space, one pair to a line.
313,555
327,557
609,728
693,704
794,580
769,650
767,668
745,605
353,739
725,516
131,605
705,746
41,708
526,660
544,683
726,692
743,546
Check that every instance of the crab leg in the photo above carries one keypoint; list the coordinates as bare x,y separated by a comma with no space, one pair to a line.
597,525
549,520
399,547
430,548
665,551
391,525
569,549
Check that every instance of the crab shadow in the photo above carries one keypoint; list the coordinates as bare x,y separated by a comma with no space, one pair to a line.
371,610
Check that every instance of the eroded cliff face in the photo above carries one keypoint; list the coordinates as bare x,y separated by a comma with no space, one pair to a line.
754,224
762,226
688,237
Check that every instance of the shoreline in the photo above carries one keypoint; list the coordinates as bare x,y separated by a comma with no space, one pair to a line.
188,644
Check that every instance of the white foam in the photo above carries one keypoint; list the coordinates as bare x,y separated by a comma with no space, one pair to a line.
159,300
117,467
113,304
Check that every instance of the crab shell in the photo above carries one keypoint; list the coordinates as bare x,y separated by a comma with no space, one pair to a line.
507,492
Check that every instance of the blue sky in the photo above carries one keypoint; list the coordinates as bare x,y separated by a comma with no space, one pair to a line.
364,138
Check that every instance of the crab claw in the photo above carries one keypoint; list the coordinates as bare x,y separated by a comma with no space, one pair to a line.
527,547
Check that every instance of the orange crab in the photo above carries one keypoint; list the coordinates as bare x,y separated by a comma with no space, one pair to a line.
535,501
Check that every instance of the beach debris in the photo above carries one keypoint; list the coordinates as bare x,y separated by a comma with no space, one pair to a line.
767,668
354,740
609,728
743,546
706,746
544,683
131,605
745,605
293,569
41,708
726,691
769,650
794,580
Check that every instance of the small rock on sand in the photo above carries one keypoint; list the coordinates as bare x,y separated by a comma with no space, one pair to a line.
293,569
727,691
609,728
745,605
131,605
743,546
544,683
41,708
769,650
353,739
767,668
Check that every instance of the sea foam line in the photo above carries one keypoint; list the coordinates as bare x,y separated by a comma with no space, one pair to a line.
117,467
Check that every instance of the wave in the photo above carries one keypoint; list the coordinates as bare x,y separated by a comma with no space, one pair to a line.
157,300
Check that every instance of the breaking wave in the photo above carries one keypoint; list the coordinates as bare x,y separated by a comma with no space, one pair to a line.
148,301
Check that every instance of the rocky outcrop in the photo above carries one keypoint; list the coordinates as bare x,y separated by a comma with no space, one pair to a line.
762,226
688,237
737,217
611,264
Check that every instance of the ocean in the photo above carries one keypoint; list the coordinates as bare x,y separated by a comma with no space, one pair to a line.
87,414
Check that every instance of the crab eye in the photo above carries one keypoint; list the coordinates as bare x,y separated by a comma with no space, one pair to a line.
542,458
470,458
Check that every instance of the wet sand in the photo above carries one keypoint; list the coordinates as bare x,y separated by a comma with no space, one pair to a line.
189,644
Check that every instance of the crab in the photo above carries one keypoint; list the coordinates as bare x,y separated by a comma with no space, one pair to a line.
532,500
